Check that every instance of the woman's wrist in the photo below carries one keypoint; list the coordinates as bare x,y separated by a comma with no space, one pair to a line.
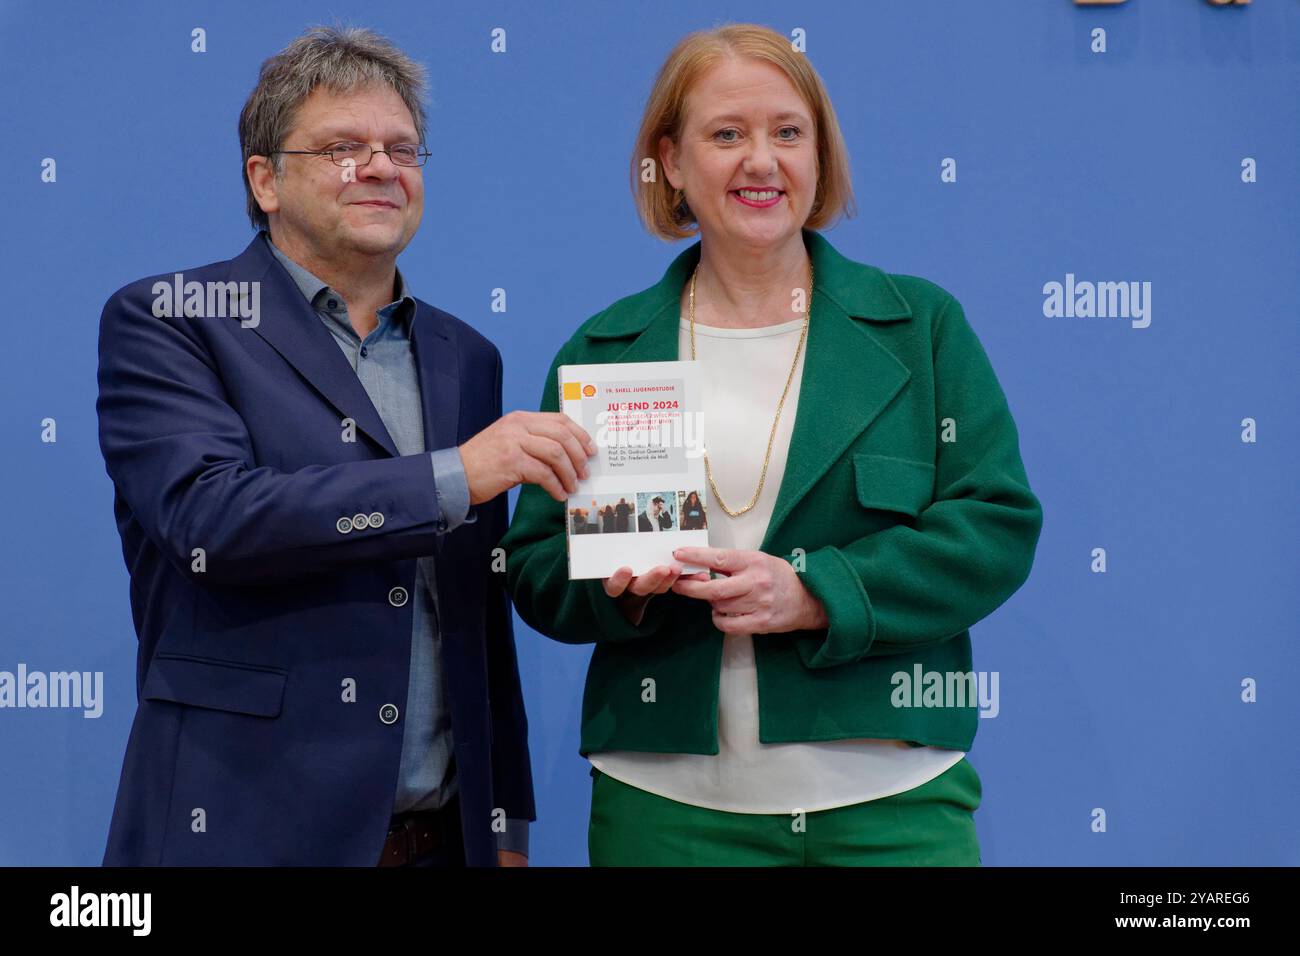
633,606
814,615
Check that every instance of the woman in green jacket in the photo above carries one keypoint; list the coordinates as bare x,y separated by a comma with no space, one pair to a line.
811,699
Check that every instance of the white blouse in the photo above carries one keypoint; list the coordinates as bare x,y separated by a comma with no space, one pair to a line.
744,372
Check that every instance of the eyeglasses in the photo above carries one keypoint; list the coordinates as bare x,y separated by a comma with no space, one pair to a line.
358,154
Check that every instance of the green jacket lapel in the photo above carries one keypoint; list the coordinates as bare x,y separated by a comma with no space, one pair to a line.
848,377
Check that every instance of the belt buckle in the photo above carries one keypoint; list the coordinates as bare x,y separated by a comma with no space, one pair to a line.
434,822
407,844
408,833
415,845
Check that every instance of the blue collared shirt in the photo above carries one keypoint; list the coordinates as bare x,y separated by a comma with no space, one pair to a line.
387,369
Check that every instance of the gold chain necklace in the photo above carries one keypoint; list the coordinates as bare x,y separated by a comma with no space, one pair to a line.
789,378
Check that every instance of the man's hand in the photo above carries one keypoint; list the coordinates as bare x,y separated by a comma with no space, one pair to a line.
542,448
511,858
759,594
632,594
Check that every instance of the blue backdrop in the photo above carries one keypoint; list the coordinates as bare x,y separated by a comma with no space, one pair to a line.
1124,689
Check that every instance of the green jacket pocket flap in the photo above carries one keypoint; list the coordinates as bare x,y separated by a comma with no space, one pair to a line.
893,484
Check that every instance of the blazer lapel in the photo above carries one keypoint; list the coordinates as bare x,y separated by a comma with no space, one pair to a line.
848,379
290,326
436,357
434,344
848,376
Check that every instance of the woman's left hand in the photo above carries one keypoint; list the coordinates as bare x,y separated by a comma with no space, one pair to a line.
760,593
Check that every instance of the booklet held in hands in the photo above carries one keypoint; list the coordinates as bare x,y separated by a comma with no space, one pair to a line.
644,491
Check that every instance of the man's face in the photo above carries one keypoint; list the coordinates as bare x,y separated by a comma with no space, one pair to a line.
654,507
335,211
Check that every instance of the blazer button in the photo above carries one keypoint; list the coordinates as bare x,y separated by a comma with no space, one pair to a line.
344,525
388,714
360,522
376,519
397,597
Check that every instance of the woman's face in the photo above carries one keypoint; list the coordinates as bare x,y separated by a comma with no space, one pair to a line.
745,128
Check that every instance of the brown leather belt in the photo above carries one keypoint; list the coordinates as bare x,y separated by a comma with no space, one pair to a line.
413,835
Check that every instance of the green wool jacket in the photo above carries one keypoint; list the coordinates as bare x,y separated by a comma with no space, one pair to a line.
904,508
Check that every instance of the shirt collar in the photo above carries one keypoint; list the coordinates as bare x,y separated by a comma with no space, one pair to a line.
313,288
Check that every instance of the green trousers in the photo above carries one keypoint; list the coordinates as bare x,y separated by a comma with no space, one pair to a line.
929,825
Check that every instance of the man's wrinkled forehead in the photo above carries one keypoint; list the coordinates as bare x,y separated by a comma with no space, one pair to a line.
337,115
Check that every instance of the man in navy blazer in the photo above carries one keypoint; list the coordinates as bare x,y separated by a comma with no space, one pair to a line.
309,468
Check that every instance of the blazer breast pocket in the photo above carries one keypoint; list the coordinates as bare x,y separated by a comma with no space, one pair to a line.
215,684
886,483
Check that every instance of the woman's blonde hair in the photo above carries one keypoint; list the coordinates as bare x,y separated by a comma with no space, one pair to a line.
662,208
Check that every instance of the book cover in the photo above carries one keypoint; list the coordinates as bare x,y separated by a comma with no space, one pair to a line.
644,491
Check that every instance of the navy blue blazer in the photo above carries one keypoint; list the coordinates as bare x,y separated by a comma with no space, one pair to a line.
274,641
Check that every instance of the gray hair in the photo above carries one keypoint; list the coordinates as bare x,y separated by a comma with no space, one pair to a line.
340,59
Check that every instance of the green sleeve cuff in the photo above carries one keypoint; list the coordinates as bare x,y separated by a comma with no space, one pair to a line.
612,625
830,578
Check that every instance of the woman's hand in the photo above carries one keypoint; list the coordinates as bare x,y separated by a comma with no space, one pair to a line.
760,593
633,593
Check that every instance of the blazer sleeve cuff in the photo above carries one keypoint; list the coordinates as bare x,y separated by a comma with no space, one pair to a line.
830,578
611,625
